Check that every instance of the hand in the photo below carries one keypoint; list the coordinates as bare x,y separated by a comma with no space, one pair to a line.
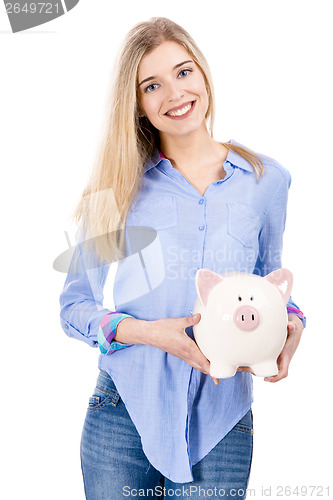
169,335
295,328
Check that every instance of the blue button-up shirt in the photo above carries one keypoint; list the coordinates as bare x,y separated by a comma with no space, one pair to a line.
236,225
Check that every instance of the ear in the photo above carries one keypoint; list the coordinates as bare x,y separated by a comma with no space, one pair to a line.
283,280
205,281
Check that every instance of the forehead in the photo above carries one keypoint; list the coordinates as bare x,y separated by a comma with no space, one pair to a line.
161,59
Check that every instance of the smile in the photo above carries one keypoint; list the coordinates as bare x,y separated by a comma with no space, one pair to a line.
183,112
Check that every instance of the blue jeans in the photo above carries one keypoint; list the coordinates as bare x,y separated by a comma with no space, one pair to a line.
114,465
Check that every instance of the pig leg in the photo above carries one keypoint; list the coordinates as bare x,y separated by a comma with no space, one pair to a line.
266,368
222,370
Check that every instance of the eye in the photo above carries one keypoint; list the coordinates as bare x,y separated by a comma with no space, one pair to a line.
187,71
240,298
149,87
251,298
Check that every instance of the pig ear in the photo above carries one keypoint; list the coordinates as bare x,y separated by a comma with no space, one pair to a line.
283,280
205,281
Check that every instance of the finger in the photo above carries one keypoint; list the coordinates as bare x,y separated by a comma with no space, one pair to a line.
196,366
276,378
201,366
205,368
206,372
245,369
283,372
291,326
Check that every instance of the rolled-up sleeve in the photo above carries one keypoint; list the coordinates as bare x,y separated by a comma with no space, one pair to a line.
82,315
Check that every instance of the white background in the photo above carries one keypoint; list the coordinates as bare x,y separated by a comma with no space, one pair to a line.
271,63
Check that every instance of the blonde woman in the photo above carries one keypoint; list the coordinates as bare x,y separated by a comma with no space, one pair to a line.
157,423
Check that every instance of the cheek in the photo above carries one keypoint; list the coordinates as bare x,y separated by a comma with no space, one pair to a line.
204,94
149,106
198,88
199,84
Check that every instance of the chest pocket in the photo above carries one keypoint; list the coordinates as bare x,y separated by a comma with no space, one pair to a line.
160,213
243,223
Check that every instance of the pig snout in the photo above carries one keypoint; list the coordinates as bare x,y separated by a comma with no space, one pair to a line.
246,318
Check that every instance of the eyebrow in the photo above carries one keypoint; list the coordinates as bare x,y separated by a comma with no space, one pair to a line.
175,67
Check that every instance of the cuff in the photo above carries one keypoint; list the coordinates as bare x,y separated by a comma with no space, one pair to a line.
107,331
297,312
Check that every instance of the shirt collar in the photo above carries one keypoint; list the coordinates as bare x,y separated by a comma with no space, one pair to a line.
153,161
233,158
236,160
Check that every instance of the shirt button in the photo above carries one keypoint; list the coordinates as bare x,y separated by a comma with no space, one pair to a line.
201,228
66,326
201,201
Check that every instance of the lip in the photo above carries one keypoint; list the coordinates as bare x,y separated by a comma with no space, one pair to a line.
181,107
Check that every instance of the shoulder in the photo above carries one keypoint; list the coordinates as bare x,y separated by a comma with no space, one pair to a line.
273,169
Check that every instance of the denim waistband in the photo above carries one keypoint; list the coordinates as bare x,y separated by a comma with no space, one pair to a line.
104,381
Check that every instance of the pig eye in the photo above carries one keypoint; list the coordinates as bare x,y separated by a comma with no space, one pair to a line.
251,298
240,298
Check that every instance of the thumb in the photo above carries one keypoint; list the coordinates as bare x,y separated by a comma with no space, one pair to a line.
195,318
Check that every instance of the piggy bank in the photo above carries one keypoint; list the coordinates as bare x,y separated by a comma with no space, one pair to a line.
243,320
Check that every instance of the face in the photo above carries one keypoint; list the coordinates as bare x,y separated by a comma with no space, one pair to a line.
172,90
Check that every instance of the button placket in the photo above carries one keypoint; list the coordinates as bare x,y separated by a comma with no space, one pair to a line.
201,227
201,202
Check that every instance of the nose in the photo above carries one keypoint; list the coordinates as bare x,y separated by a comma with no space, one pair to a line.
246,318
175,91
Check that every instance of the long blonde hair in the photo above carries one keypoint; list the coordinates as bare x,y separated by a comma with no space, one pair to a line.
128,140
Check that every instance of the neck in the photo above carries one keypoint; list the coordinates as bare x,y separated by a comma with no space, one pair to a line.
191,151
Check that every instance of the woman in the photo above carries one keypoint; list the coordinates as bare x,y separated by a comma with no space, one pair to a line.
156,419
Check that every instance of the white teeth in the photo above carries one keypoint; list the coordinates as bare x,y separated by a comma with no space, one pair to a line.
180,112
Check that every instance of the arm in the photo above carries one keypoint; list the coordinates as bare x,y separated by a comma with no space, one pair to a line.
83,317
169,335
271,239
82,314
269,259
